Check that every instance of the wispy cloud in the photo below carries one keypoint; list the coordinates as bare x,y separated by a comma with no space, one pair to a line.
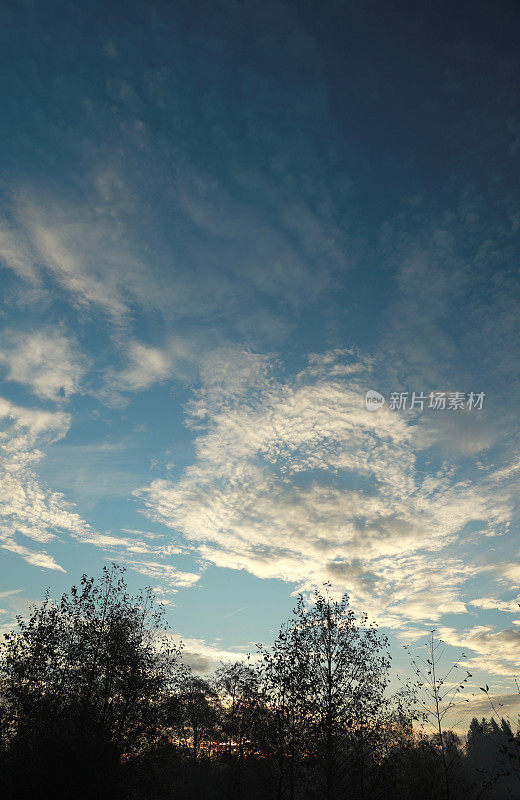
29,510
169,578
47,361
33,516
497,651
147,365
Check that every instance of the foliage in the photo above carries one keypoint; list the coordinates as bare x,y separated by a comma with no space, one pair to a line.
96,702
82,682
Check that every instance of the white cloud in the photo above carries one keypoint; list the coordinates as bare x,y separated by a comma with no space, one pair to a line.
36,559
297,480
10,593
85,247
170,578
147,365
450,311
31,512
47,361
72,251
16,254
497,651
204,657
28,509
490,603
220,249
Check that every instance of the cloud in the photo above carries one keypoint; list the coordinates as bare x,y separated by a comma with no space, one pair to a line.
79,256
239,250
204,657
147,365
507,705
16,254
10,593
456,302
169,577
47,361
490,603
84,247
36,559
28,509
498,651
31,512
295,479
13,604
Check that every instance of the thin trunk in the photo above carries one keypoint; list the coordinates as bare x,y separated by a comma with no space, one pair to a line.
281,755
438,717
329,766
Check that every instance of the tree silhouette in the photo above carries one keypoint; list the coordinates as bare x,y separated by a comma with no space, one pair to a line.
197,715
95,702
327,673
82,680
440,688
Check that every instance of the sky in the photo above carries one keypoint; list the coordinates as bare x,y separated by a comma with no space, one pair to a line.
221,224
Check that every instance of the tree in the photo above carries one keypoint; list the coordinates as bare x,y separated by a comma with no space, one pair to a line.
83,679
244,720
197,714
439,689
284,694
332,672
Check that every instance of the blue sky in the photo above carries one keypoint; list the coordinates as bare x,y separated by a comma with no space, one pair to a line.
220,225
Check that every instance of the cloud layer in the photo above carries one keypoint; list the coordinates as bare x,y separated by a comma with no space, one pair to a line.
295,479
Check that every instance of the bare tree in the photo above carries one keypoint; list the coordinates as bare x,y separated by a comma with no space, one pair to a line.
440,688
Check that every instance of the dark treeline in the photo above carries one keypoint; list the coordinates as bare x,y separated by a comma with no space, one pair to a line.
96,702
